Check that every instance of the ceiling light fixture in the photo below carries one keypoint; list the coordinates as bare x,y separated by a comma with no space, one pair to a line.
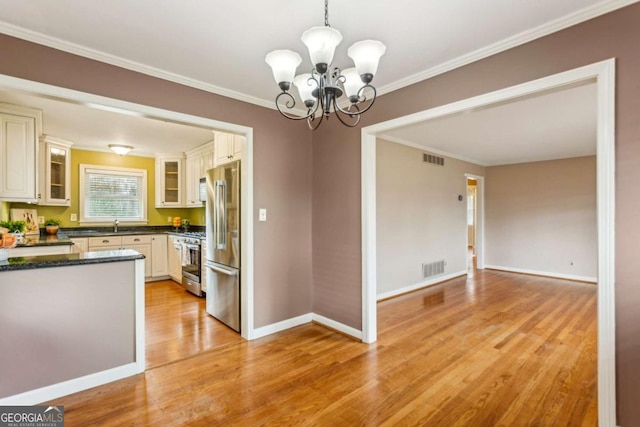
120,149
321,88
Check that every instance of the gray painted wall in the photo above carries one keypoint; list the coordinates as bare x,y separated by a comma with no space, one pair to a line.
541,216
419,217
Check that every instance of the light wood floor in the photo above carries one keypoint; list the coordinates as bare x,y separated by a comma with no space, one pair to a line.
499,349
177,325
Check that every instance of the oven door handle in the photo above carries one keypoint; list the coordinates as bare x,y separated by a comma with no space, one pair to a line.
222,270
190,246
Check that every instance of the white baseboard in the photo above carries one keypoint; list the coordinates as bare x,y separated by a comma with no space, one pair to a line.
340,327
281,326
543,273
301,320
420,285
54,391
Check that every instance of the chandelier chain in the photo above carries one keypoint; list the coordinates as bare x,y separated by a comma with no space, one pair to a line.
326,13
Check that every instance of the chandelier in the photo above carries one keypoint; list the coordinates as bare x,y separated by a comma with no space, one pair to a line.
323,86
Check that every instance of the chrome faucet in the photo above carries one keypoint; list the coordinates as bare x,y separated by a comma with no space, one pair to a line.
115,226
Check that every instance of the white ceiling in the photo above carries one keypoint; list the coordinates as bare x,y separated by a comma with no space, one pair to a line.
553,125
220,45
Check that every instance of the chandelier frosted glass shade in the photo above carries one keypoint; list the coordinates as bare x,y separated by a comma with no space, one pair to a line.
306,85
366,56
352,82
283,64
322,43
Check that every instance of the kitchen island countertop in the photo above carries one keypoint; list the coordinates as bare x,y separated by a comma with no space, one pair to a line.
45,240
46,261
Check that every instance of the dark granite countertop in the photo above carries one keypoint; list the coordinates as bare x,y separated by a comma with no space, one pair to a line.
125,231
45,240
48,261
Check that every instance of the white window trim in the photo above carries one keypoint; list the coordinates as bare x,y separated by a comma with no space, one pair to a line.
115,171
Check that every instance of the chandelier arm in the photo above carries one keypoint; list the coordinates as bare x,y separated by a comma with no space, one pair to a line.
361,98
339,111
290,104
312,119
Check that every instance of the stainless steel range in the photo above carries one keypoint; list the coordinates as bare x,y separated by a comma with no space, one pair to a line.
192,262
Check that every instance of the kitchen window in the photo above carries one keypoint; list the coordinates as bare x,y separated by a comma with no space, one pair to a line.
110,193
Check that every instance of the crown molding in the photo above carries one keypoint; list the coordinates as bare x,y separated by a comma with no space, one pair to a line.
585,14
566,21
56,43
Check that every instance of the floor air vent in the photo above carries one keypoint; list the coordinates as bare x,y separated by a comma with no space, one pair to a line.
435,160
432,269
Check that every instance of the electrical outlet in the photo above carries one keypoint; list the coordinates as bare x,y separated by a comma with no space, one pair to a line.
74,217
40,220
169,219
262,214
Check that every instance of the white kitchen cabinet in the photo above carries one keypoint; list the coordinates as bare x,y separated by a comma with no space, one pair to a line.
159,254
140,243
174,257
198,161
80,245
193,182
169,181
55,168
228,147
19,131
146,251
108,242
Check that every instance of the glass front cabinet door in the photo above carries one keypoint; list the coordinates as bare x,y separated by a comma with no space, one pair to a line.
55,173
169,182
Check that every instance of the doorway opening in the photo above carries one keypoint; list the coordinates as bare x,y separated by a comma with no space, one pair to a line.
472,220
602,74
91,101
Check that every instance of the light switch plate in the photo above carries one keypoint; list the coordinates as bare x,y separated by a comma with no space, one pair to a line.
74,217
41,220
262,214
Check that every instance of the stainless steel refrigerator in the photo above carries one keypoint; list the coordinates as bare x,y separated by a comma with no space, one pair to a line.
223,244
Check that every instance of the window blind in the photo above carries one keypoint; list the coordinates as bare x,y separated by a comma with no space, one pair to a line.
113,194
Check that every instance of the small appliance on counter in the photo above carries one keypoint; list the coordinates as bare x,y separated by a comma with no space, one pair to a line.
223,244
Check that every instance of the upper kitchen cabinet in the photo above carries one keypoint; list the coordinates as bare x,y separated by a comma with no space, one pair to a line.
19,132
228,147
169,181
198,162
55,168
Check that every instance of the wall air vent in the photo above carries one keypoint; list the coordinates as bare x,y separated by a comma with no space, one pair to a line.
434,160
433,269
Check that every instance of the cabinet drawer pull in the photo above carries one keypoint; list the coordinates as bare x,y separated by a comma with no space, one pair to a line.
136,240
105,241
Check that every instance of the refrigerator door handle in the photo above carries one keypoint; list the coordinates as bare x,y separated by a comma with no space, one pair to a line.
222,270
220,226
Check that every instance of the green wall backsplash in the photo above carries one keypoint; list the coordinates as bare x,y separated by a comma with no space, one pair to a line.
4,211
156,216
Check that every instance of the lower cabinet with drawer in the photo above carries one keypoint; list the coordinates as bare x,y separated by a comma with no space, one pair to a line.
140,243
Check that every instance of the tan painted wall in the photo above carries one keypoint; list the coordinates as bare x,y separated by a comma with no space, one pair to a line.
336,164
419,217
541,216
282,153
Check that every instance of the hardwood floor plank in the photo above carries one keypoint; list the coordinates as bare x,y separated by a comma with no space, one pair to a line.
496,349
